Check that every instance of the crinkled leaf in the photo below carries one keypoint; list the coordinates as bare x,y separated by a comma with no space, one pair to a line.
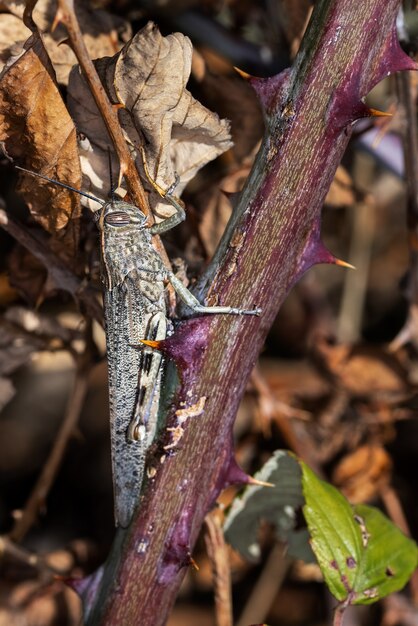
37,130
148,77
277,505
100,32
362,555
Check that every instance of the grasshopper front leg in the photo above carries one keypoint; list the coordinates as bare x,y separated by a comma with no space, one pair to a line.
172,221
192,302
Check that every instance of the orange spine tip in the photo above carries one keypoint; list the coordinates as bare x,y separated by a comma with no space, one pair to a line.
151,343
242,73
193,563
259,483
377,113
344,264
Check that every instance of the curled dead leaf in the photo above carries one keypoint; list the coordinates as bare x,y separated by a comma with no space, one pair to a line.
361,474
102,32
363,370
179,135
37,131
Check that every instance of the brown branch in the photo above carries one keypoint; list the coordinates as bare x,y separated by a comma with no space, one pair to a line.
66,15
407,99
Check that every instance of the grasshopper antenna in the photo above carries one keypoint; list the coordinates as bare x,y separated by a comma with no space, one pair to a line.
56,182
112,182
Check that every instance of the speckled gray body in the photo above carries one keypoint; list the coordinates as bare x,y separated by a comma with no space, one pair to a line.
134,304
134,276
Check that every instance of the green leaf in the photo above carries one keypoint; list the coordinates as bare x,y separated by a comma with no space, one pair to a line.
362,555
390,557
277,505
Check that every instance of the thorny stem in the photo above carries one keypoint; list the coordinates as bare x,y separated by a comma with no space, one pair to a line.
347,49
46,479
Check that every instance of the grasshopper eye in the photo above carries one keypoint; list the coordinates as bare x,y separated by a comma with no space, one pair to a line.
118,218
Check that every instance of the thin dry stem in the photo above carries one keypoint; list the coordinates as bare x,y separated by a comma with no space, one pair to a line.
355,283
24,557
218,555
395,511
266,588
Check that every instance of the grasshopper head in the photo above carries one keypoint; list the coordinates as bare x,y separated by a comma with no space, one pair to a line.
118,214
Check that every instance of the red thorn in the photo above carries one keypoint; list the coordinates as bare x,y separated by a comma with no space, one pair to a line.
394,59
315,253
235,474
361,111
270,90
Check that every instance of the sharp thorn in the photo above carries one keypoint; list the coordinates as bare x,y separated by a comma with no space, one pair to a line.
344,264
243,74
377,113
259,483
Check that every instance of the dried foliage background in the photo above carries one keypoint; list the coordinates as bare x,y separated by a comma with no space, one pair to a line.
337,382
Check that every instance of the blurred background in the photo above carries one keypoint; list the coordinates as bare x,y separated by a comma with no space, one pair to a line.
336,382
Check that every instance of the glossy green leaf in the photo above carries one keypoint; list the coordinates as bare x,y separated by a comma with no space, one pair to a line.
362,555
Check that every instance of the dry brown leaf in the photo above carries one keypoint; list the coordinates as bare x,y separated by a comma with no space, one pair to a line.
361,474
31,602
37,131
101,32
148,76
362,370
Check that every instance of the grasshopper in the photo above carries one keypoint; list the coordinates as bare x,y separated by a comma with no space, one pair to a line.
134,278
